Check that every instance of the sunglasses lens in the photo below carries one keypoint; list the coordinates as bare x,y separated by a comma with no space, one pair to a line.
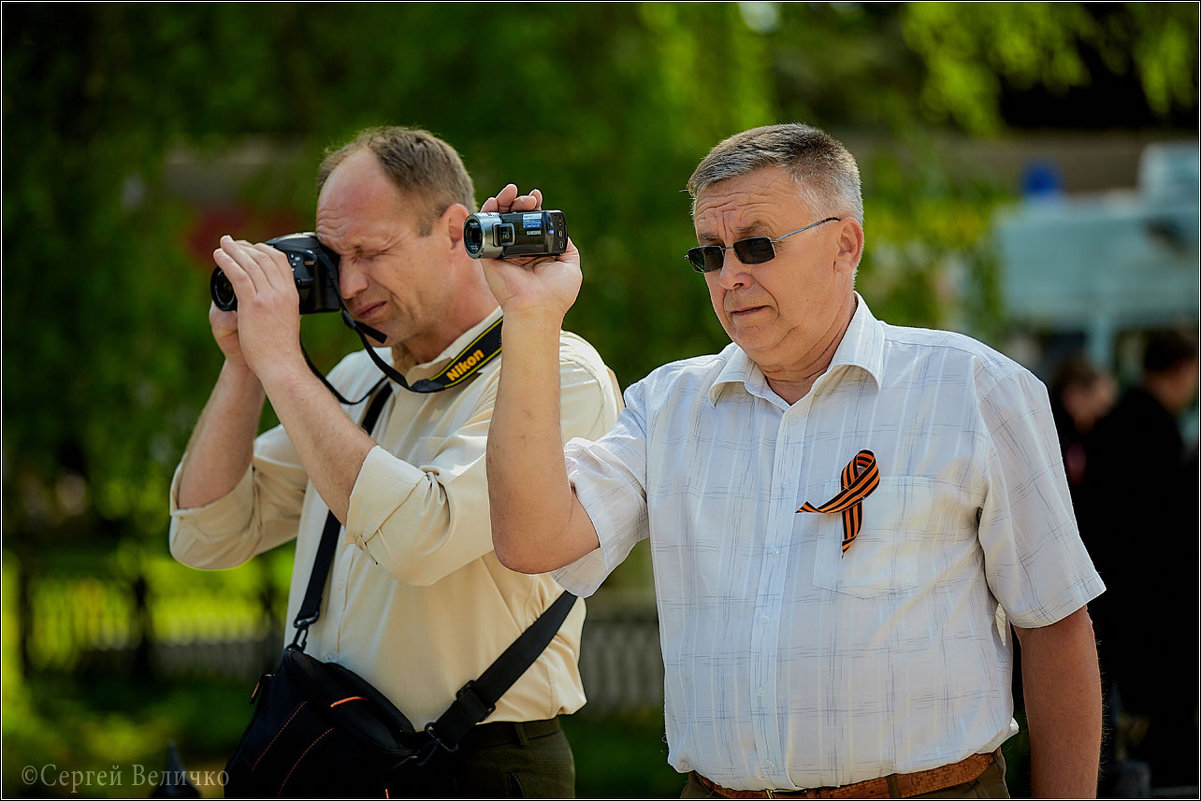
755,250
706,259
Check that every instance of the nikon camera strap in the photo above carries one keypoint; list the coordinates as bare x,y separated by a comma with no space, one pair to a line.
481,350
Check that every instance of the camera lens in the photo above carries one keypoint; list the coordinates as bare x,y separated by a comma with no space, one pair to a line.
473,236
222,291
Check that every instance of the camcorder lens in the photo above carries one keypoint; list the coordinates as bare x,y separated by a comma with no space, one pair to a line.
473,236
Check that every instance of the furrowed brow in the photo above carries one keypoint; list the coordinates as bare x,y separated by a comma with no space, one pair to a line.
755,228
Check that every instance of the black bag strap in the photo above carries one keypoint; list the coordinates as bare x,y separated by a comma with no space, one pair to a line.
477,699
310,607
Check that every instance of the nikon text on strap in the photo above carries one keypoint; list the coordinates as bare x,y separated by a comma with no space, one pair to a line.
478,352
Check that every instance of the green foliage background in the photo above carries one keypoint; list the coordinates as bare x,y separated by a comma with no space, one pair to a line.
605,107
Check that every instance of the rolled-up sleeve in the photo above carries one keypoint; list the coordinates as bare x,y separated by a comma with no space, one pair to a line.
258,514
423,513
420,523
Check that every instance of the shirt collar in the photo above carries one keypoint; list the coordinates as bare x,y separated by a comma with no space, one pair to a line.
862,346
738,369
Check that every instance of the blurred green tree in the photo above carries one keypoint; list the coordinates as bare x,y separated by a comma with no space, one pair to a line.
606,107
972,53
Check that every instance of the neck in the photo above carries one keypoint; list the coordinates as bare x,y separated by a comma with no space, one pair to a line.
472,302
428,348
793,381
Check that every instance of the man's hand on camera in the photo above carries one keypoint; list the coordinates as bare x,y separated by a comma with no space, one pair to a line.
264,332
225,332
538,285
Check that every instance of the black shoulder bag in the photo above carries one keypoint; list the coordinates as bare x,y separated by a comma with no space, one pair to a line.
320,730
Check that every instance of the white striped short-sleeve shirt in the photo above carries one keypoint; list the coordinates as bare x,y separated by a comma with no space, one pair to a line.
791,665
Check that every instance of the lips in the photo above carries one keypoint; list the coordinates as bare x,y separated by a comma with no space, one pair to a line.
745,310
366,311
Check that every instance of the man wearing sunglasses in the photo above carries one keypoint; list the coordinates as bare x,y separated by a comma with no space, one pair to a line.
849,521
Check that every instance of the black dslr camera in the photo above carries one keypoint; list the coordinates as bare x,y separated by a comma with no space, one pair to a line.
314,267
488,235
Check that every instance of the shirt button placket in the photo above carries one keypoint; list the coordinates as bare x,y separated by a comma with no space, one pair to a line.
773,587
337,593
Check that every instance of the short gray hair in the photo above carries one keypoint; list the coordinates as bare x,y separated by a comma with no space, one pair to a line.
825,173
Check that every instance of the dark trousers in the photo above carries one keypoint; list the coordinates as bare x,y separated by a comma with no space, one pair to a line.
497,760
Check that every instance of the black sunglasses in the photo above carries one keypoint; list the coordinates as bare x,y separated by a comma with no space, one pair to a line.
755,250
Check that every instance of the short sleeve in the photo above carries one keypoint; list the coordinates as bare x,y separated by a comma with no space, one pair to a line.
1035,562
609,478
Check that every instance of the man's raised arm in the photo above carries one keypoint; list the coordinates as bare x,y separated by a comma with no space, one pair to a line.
538,524
222,444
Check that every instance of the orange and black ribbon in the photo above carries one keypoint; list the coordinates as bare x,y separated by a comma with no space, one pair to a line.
860,478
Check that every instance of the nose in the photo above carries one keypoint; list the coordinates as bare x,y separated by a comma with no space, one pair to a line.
351,279
733,273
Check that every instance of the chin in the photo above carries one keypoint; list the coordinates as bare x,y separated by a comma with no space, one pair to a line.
755,343
747,338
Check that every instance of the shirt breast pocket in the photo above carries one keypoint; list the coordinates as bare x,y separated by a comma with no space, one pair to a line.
885,557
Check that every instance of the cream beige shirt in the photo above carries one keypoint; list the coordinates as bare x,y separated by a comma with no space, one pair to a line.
416,601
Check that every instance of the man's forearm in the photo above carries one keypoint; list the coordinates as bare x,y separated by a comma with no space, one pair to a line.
330,445
222,444
537,524
1062,687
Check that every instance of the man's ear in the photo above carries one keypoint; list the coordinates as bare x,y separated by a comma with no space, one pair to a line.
850,245
453,218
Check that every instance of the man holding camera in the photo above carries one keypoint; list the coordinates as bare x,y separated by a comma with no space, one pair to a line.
849,521
417,602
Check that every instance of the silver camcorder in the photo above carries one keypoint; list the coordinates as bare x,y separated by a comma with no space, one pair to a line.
488,235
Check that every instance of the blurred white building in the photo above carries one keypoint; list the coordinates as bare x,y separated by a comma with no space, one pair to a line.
1092,272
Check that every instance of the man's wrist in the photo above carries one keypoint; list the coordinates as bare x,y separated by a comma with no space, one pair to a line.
283,375
532,324
237,374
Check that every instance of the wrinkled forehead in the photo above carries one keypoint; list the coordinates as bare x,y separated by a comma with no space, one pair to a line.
359,192
747,204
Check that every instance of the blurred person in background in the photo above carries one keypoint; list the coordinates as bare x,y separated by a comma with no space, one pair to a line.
1081,394
848,520
417,602
1140,523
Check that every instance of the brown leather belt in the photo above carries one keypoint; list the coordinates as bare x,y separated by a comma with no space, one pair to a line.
898,785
